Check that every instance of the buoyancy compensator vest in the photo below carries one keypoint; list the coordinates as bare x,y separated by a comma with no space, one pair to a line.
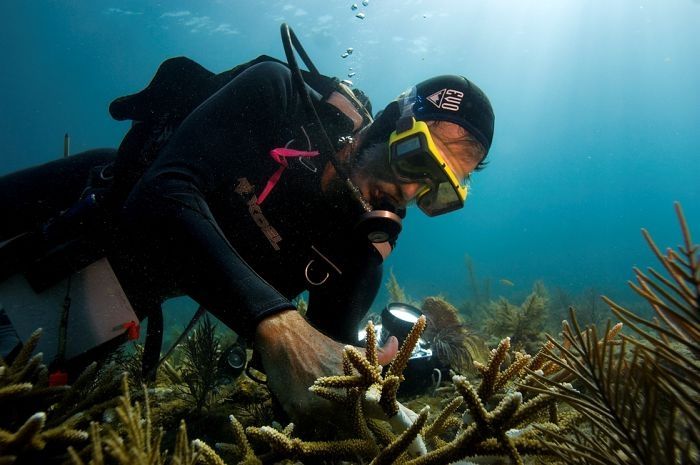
178,87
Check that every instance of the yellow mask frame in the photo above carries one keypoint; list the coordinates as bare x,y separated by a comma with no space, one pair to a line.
414,157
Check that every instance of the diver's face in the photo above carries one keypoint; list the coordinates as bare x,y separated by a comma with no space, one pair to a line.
377,182
373,176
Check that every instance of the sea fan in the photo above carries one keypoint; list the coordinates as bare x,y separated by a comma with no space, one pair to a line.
640,396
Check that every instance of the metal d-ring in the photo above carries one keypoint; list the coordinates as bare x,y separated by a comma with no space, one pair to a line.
107,172
308,279
307,163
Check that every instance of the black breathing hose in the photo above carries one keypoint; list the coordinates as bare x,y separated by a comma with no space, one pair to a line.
289,40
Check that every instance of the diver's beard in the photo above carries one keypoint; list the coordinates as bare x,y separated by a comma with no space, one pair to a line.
371,162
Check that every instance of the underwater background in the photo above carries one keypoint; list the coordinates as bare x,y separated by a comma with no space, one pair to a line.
597,109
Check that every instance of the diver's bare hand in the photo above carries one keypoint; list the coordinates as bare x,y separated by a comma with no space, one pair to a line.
294,355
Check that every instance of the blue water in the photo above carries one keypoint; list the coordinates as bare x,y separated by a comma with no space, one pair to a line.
597,105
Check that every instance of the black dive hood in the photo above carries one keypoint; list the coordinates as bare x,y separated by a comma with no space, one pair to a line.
448,97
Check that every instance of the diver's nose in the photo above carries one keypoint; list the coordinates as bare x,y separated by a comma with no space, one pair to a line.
410,190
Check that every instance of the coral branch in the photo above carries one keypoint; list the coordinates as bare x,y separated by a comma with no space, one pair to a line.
398,365
389,454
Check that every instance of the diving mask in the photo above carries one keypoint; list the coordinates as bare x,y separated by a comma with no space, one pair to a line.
414,157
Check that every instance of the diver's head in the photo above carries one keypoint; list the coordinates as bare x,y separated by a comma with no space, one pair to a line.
454,99
424,145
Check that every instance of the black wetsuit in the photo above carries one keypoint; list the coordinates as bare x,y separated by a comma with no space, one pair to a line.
191,225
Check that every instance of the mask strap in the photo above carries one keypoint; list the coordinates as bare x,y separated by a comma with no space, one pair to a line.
406,101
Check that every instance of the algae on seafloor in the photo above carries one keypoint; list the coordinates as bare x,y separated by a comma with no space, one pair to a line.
524,323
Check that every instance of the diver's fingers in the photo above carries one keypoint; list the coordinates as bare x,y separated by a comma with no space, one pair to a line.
388,352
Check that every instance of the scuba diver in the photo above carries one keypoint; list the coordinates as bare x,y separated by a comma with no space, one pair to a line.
272,182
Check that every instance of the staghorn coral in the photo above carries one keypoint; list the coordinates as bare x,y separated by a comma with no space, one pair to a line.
383,431
493,379
241,450
640,397
294,448
490,433
451,341
442,423
90,394
133,440
496,425
38,421
24,385
484,431
32,437
367,394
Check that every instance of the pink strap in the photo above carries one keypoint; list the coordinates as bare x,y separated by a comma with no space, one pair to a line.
280,155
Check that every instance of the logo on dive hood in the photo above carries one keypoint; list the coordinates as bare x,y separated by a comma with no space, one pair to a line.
446,99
